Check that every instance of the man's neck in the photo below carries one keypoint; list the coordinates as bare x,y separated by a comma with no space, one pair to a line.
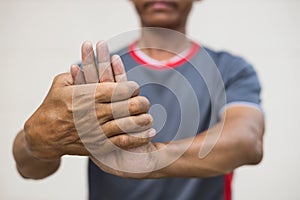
163,44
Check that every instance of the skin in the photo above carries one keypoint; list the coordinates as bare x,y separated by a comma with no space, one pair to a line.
241,128
51,132
241,133
172,17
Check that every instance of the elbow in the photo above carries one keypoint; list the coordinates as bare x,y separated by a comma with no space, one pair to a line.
255,154
246,136
252,149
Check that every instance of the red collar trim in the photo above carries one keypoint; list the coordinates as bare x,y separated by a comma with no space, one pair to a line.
193,50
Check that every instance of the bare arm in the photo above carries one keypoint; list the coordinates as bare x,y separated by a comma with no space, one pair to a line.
82,120
240,143
29,166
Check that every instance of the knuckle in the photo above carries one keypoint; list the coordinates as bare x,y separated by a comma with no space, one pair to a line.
127,141
139,104
149,119
134,88
104,91
63,78
133,105
145,103
144,120
103,113
123,141
137,141
58,77
134,84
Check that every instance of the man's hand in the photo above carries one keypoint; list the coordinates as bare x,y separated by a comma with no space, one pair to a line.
51,131
114,108
135,162
240,143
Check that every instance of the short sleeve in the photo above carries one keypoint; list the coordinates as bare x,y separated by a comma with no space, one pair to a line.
242,85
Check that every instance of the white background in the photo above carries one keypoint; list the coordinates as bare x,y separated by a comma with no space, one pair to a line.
39,39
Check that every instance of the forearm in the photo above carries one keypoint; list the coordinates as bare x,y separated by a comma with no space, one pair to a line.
220,160
29,166
239,143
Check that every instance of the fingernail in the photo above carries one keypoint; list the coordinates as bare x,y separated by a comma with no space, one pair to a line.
152,132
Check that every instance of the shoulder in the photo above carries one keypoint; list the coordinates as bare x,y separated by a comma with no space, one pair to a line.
225,58
230,65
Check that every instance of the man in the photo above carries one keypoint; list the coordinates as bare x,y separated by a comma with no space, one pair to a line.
62,126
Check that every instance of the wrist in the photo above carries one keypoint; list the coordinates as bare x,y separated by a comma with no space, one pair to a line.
169,158
159,169
29,166
33,150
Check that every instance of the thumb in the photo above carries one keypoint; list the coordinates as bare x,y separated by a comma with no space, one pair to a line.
64,79
77,75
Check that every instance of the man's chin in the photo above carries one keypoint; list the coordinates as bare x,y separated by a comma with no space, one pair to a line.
161,24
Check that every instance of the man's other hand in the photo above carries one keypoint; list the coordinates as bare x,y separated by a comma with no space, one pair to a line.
51,131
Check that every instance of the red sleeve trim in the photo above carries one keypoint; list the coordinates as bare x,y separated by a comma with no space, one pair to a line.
227,186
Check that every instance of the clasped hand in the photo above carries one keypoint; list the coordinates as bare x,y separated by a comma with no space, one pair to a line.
63,124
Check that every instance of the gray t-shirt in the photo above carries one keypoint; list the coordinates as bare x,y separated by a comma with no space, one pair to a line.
188,95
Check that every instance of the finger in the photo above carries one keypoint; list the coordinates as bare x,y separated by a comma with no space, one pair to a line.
126,141
75,146
78,149
118,69
134,106
111,92
88,63
64,79
107,145
130,124
150,133
103,58
77,75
